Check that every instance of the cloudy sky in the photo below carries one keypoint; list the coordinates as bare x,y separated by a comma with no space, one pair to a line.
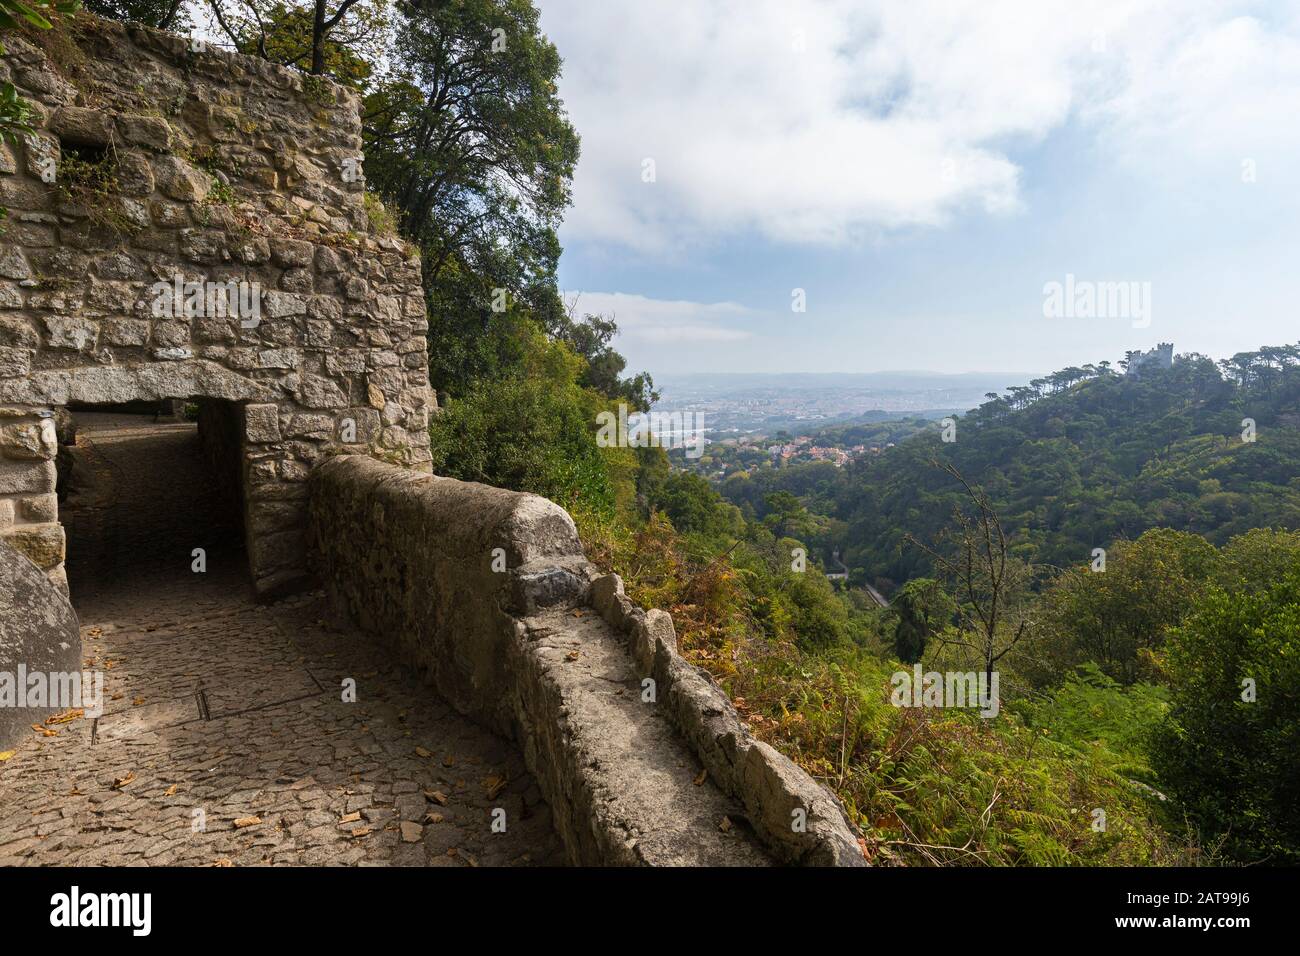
922,170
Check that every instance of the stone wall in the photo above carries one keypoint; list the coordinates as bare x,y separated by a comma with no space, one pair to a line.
157,166
488,593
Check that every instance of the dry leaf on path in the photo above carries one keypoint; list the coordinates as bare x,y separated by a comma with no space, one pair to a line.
243,822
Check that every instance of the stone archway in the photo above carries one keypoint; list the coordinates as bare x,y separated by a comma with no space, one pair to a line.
240,424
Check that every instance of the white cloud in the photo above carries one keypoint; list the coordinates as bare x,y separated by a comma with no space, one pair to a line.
893,114
664,321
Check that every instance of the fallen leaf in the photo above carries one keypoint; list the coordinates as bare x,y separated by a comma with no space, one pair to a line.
222,862
170,791
725,825
247,822
701,777
571,656
120,782
6,754
351,817
360,831
448,760
420,751
432,817
437,796
137,701
65,717
45,731
494,785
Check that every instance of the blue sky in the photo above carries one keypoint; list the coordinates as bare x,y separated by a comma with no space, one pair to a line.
921,170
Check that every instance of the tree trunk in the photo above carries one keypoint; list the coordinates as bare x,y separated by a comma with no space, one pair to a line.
318,39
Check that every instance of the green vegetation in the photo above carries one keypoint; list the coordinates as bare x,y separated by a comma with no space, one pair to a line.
14,110
24,14
1078,461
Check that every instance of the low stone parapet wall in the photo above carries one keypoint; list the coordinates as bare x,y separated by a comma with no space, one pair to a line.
489,594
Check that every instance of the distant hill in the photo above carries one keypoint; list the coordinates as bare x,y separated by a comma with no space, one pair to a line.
1077,460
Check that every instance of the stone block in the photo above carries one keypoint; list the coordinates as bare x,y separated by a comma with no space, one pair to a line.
29,441
15,363
79,125
262,423
26,477
152,132
179,180
42,544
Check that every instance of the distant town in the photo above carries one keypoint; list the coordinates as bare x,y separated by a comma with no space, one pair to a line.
758,420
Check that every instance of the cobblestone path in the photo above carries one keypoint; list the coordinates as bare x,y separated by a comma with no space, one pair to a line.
224,738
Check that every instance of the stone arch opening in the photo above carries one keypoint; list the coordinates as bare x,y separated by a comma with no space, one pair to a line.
195,424
150,490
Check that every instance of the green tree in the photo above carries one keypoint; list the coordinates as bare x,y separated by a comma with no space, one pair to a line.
160,14
695,508
1227,749
1117,617
921,608
530,430
469,141
310,36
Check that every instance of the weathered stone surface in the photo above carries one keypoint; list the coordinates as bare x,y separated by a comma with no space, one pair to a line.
38,631
79,125
15,363
262,423
179,180
42,544
494,627
152,132
23,477
13,264
770,786
29,441
317,392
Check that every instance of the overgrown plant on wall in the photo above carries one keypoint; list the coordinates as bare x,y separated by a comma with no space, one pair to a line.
15,14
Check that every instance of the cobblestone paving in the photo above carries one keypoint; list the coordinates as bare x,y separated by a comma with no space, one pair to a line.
224,738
